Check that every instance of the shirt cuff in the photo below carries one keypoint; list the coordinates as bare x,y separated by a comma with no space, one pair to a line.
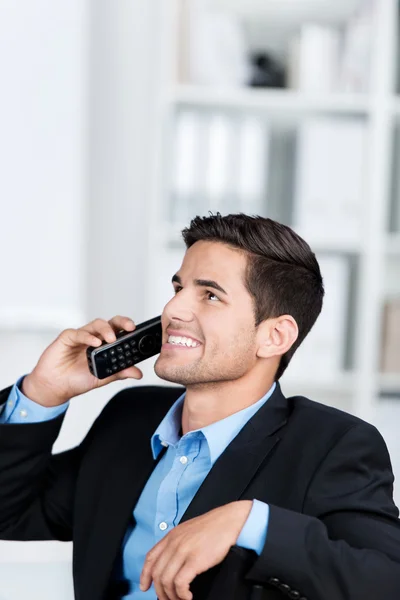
20,409
254,531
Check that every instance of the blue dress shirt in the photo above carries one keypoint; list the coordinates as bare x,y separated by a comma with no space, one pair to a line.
173,483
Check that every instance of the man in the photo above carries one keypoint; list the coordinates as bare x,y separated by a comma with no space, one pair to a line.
170,483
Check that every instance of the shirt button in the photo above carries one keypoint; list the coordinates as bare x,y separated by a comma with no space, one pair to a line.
163,526
183,460
23,413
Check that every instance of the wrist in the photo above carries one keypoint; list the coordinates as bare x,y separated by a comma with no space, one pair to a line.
243,509
39,392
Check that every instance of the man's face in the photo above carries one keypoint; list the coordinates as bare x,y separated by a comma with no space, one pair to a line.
219,322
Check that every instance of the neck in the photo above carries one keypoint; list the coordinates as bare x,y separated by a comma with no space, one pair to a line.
211,402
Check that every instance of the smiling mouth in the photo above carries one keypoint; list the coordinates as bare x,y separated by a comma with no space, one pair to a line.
177,341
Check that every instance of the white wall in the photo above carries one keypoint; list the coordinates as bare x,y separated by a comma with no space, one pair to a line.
42,156
76,134
123,94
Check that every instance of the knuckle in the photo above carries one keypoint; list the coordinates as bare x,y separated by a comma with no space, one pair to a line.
181,581
149,557
166,582
99,322
115,319
68,332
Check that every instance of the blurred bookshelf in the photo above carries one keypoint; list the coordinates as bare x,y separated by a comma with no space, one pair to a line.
270,101
324,144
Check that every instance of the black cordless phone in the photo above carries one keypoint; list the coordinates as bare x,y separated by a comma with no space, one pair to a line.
129,349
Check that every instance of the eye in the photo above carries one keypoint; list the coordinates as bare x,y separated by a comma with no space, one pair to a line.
211,296
177,288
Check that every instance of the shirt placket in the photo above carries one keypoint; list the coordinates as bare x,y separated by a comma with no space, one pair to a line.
167,498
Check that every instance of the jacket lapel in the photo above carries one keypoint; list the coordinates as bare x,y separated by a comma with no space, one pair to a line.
130,465
238,464
125,475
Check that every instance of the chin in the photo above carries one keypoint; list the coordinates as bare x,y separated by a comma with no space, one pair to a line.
174,373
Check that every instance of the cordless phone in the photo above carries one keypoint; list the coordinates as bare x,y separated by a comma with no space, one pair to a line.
129,349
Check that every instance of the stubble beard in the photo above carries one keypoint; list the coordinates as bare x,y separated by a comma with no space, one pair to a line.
198,375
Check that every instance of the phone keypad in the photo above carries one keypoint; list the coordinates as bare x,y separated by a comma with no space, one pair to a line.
126,353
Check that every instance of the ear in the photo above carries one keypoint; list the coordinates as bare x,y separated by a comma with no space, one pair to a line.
276,336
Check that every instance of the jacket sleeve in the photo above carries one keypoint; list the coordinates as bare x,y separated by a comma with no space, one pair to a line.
345,545
20,409
36,487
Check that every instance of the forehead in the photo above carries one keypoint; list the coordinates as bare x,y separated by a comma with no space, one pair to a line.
214,260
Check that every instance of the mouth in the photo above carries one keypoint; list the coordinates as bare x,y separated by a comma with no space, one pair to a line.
177,342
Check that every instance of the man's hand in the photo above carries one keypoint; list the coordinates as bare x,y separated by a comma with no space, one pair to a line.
62,371
192,548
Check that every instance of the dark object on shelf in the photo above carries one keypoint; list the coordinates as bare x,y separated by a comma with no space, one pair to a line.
266,71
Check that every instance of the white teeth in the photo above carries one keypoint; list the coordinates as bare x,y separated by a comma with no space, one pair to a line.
182,341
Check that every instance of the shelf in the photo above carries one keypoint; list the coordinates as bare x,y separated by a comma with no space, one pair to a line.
290,13
270,100
35,552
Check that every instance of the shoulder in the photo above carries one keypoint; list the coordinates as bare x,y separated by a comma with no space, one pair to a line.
323,412
321,420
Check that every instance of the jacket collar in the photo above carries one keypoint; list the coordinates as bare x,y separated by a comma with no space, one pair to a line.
132,463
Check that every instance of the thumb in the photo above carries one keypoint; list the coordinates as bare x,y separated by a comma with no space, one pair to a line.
129,373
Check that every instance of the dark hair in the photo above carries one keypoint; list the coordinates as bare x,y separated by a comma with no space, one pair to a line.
282,274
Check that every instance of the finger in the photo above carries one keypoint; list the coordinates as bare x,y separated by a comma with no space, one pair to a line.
161,594
101,328
151,558
165,571
134,374
74,337
129,373
182,581
125,323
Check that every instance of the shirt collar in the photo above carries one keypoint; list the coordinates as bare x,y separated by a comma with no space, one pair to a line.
167,433
218,434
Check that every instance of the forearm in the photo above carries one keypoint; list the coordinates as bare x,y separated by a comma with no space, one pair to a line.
19,408
25,455
299,555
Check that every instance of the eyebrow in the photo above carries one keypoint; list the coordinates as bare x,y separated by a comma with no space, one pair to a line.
202,283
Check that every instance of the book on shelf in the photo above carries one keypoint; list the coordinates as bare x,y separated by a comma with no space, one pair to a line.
237,164
329,179
390,349
212,49
357,47
220,164
314,59
328,59
185,182
253,165
321,356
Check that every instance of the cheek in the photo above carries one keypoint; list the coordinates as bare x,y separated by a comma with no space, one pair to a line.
231,336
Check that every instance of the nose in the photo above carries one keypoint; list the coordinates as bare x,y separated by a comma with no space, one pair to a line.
179,308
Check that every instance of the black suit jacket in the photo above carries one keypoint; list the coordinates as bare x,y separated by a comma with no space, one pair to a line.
333,532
